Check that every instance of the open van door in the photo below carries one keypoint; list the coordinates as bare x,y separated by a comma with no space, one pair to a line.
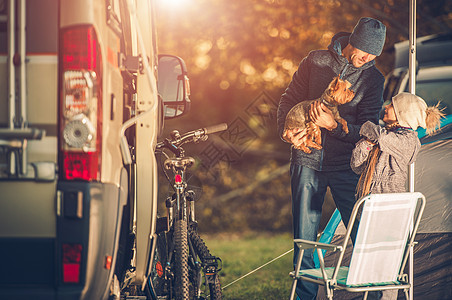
76,220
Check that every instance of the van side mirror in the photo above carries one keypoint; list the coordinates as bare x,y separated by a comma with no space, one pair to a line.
173,86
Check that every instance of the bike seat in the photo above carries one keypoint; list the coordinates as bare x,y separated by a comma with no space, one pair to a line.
179,163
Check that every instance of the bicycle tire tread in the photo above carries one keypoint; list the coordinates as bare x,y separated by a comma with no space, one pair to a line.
181,258
203,252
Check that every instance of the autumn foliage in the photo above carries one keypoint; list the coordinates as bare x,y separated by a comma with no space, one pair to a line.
240,56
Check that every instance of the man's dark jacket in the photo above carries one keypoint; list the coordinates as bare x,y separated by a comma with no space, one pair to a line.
314,74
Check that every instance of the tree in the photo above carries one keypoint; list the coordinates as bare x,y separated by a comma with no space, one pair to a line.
236,50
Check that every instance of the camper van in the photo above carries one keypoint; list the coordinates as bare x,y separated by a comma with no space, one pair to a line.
433,72
83,98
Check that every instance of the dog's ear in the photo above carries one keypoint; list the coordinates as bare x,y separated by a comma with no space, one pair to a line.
334,84
341,84
347,84
350,95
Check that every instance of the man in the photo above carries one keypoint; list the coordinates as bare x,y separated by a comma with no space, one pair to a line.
352,57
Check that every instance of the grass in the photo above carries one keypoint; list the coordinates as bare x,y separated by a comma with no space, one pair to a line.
245,252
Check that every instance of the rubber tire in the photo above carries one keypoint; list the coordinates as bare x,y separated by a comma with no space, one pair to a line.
181,284
202,251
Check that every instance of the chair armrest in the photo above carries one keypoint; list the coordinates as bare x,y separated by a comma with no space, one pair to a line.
305,244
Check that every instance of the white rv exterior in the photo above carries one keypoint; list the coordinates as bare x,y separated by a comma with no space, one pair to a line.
77,212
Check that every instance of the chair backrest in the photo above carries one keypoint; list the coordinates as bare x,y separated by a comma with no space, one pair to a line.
383,235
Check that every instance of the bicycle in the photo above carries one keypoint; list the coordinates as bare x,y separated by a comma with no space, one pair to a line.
183,267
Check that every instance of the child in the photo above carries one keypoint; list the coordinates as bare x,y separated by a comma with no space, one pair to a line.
383,155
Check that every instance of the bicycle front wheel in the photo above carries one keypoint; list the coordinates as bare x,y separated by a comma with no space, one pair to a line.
181,284
213,284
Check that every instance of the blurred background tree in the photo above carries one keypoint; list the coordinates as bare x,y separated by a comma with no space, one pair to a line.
241,56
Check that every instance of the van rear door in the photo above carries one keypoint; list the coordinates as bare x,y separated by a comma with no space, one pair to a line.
28,145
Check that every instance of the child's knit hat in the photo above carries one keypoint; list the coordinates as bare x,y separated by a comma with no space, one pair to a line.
369,36
412,111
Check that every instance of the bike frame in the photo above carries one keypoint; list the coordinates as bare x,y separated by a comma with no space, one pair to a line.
181,202
181,224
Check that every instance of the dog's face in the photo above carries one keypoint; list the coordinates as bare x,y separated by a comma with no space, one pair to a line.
340,91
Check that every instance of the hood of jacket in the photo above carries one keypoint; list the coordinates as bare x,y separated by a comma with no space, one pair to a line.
338,42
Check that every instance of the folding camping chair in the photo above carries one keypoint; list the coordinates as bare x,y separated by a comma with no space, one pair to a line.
388,225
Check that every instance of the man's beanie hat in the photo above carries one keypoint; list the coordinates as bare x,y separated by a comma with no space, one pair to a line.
410,110
369,36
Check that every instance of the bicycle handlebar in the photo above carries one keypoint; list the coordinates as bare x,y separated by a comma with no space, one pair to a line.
216,128
178,140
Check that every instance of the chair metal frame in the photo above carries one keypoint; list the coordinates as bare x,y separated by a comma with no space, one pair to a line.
329,275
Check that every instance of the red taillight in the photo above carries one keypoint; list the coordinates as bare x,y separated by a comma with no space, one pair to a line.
79,165
72,259
177,178
80,48
80,105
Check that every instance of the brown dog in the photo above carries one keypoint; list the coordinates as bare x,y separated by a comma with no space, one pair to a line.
337,93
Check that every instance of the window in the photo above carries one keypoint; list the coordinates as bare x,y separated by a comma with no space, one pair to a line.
433,91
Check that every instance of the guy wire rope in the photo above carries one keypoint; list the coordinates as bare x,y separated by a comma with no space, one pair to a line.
258,268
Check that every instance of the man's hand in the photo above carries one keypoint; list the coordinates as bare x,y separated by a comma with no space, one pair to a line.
322,116
296,136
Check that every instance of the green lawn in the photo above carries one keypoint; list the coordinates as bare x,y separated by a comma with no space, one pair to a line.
245,252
